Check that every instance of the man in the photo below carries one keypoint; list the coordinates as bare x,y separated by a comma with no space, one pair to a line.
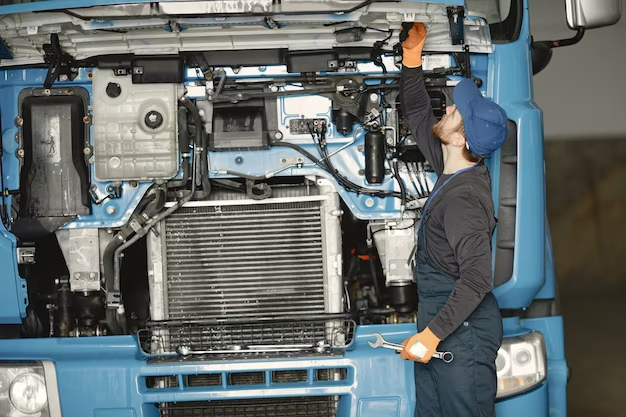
457,311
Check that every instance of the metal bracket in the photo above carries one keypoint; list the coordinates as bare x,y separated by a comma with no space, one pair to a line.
25,255
456,16
113,300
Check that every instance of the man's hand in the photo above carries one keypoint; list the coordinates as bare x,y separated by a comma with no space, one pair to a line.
428,339
413,45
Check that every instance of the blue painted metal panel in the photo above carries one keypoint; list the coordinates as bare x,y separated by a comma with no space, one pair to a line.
13,291
533,403
108,373
548,292
511,86
38,6
558,372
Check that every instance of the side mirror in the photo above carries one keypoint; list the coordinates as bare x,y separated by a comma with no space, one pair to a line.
581,15
591,14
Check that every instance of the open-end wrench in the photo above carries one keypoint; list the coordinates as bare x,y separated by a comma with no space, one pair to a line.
418,350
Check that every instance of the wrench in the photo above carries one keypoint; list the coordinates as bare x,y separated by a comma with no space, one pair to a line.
416,350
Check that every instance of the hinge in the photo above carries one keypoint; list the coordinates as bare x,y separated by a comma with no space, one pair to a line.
456,16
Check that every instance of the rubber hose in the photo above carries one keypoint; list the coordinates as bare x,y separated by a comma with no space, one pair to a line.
204,165
183,144
109,280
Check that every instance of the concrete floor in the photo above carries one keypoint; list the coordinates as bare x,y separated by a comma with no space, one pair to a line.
595,348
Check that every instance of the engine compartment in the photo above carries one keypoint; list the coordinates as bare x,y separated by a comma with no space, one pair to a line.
214,202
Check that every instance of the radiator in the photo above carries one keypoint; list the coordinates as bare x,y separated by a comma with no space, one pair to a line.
234,258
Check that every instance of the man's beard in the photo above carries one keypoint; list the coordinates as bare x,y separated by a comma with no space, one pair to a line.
439,132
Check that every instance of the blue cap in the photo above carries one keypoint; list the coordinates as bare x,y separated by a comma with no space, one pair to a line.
485,121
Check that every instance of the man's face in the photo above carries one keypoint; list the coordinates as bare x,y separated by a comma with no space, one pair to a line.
449,124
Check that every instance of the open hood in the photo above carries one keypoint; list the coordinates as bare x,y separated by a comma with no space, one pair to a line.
176,27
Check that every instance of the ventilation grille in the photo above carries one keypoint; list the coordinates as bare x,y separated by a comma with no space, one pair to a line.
245,261
268,407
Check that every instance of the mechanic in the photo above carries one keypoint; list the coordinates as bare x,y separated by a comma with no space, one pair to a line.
457,311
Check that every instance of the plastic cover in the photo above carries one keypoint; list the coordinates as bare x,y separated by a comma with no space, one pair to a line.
135,128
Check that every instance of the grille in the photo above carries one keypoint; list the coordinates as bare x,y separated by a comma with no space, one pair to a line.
336,329
269,407
245,261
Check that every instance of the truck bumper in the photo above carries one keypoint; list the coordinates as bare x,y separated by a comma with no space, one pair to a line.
106,377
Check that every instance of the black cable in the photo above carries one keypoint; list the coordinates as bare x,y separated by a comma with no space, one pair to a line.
347,184
396,174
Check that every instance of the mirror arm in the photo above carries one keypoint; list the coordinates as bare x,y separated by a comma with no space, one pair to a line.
565,42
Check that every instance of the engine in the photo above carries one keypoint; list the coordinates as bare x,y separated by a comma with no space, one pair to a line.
211,213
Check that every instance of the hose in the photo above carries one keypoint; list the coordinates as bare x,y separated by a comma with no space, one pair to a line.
396,174
201,140
204,165
118,249
183,144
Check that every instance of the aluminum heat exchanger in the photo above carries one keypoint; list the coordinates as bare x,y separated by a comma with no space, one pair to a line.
234,258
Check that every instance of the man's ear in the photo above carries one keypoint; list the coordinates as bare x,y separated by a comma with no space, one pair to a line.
458,140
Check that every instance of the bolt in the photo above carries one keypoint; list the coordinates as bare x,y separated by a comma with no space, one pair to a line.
361,148
278,135
389,141
63,77
133,184
86,120
393,267
77,276
239,160
283,161
92,275
46,92
361,172
369,202
20,153
90,75
373,97
300,160
111,210
19,122
87,150
69,92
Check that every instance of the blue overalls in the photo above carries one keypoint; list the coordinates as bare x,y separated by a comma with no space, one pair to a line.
465,387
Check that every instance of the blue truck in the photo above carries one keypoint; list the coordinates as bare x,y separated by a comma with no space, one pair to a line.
209,208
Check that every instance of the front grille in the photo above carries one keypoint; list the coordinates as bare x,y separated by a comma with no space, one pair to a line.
245,261
268,407
218,335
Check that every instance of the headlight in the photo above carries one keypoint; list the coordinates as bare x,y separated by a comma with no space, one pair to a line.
23,391
521,364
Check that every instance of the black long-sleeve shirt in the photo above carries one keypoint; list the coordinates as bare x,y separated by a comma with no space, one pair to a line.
460,226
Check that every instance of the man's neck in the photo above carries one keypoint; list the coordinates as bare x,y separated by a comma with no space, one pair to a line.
453,161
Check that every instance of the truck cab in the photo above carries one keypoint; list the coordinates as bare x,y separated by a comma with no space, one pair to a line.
209,208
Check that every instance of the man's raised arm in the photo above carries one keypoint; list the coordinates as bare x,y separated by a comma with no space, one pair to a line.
415,101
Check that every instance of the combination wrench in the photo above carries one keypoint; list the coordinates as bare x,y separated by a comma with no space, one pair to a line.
416,350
